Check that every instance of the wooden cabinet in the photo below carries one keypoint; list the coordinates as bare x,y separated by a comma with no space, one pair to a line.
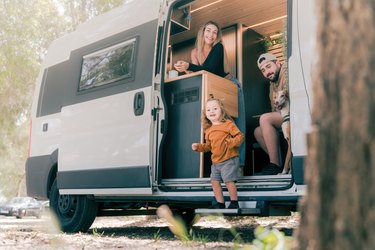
219,87
185,97
180,20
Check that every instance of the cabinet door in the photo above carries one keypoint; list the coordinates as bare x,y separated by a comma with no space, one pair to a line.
184,105
222,89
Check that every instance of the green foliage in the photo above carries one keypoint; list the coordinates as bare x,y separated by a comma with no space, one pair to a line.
281,38
27,29
269,42
269,239
96,233
157,236
23,42
77,12
198,237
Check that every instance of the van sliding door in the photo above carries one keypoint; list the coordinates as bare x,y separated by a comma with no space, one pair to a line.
106,123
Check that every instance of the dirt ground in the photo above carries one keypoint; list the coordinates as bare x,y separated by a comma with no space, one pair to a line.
137,232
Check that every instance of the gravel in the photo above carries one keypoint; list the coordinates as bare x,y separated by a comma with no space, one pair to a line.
137,232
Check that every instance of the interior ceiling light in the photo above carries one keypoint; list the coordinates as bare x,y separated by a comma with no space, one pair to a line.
265,22
205,6
276,35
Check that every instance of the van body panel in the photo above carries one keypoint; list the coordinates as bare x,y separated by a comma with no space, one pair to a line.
121,177
300,66
61,110
65,76
105,133
124,193
46,142
128,195
291,193
298,170
58,86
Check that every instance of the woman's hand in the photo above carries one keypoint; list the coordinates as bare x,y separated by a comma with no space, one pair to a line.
181,66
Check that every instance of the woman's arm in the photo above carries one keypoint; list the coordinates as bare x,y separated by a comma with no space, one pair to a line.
182,66
214,62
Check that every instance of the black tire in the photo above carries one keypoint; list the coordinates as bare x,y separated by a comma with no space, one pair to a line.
21,214
75,213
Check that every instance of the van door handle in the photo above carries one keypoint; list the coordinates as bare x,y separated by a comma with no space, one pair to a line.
139,103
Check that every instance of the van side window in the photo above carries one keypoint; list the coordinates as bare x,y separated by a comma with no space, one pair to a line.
108,65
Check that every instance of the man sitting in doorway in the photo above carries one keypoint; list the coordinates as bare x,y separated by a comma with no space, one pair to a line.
269,123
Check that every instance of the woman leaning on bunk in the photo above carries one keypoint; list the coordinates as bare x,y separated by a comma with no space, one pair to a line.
209,54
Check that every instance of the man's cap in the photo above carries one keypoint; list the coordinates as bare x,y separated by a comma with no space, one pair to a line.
265,58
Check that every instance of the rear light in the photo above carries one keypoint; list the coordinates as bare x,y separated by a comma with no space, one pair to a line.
29,144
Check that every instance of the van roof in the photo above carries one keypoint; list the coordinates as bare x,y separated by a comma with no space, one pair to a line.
129,15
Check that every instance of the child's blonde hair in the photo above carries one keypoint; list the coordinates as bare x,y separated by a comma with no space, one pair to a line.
206,123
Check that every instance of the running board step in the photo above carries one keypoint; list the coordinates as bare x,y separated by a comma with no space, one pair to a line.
227,211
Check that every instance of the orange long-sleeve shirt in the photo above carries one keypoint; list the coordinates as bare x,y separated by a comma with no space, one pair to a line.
222,140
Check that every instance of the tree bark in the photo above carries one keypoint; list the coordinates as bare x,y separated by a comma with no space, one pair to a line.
338,211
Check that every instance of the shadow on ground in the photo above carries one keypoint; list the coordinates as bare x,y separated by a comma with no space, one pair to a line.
241,233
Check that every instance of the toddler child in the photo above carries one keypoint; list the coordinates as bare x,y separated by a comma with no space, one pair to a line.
222,138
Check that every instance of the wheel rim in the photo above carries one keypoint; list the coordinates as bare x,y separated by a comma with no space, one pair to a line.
67,205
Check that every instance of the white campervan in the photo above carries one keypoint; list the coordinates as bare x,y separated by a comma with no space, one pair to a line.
111,131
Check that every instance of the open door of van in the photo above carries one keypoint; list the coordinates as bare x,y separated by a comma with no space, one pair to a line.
106,121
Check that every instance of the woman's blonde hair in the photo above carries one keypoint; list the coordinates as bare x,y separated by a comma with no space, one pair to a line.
206,123
199,43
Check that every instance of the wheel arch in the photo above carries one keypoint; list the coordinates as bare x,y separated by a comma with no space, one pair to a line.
51,178
40,173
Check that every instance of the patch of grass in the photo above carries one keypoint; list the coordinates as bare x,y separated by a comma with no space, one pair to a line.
96,233
157,236
198,238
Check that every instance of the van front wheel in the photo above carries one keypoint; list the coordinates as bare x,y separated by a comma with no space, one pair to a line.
75,213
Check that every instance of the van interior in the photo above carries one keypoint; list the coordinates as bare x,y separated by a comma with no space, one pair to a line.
250,28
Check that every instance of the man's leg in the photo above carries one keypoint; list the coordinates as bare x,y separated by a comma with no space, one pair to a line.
259,137
268,123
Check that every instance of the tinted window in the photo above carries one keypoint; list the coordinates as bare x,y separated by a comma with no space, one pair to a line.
108,65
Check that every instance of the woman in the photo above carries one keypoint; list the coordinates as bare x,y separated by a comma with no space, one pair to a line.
209,54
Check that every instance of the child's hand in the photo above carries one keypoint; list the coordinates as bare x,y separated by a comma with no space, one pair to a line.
194,146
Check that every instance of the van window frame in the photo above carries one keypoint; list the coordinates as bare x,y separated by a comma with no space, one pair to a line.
132,43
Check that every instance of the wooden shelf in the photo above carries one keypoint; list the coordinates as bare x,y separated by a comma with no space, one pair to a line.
179,20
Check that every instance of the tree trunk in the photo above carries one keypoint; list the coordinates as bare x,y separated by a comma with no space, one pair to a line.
338,211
